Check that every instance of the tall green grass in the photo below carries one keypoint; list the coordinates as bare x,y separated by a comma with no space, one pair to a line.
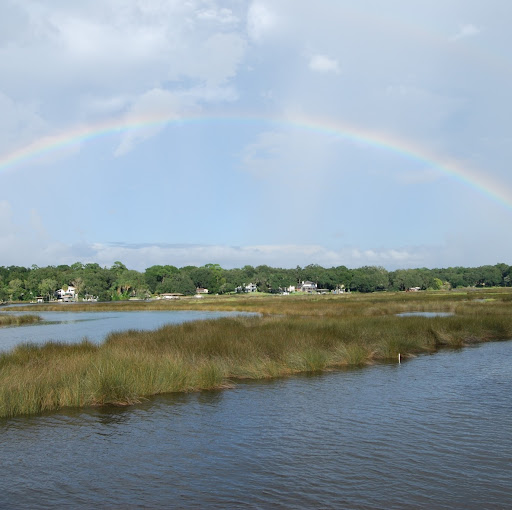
17,320
306,336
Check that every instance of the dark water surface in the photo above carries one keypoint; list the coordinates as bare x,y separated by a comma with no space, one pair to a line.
71,327
434,432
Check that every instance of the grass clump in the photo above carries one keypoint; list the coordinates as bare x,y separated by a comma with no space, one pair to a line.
211,354
17,320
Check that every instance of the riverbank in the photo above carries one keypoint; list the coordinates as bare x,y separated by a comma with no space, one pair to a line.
17,320
296,335
380,303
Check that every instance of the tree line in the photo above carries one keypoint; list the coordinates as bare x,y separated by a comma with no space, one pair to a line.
118,282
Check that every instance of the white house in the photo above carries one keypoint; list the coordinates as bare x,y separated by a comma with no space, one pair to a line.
68,294
308,287
252,287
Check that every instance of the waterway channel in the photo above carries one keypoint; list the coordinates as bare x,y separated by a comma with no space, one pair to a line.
434,432
72,327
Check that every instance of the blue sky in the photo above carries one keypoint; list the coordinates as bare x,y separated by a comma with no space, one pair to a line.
251,167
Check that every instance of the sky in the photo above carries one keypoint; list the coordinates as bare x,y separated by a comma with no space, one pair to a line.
237,132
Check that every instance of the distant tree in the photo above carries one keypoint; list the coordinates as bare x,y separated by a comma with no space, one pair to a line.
225,288
234,278
117,269
155,275
451,275
249,273
437,284
98,281
48,287
281,279
489,276
78,283
3,290
341,275
15,289
179,283
313,273
370,279
130,283
404,279
209,276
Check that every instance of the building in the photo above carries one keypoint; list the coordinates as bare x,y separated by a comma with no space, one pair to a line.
67,294
308,287
251,287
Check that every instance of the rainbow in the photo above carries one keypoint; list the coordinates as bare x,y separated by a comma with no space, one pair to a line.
476,180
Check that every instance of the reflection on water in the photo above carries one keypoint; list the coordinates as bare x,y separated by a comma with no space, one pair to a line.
434,432
425,314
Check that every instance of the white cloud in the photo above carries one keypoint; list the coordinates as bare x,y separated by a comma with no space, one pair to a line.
214,61
106,105
83,61
290,255
468,30
150,112
141,256
324,64
260,21
218,15
155,105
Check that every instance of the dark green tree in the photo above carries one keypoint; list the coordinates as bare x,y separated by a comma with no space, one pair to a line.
178,283
370,279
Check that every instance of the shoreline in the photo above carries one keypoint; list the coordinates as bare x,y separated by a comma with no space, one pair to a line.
131,366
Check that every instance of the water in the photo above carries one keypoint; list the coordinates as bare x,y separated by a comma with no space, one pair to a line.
425,314
434,432
72,327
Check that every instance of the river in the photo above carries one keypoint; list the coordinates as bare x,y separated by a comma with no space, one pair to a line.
72,327
433,432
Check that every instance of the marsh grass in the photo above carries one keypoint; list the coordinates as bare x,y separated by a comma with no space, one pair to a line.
17,320
301,336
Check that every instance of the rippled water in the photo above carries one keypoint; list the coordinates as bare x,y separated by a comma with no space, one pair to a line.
74,326
434,432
